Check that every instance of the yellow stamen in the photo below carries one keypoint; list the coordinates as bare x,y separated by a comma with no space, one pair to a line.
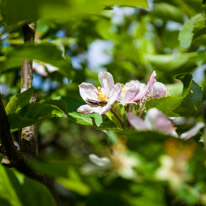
168,92
175,128
101,96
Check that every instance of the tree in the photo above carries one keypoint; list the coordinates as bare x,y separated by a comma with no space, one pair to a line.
120,148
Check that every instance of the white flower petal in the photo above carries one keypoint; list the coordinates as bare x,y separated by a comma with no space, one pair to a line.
151,81
142,93
39,68
115,96
141,89
136,121
107,82
193,131
51,68
87,109
102,162
159,90
156,120
88,91
130,95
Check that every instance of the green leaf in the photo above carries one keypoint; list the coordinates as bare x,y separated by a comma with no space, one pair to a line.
149,194
63,173
165,104
192,29
191,103
106,198
175,89
53,169
33,113
18,101
133,3
186,34
171,63
167,12
47,53
86,119
62,10
153,142
187,103
73,182
18,190
108,125
199,25
7,191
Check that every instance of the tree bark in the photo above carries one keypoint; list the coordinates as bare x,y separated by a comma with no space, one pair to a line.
28,135
18,159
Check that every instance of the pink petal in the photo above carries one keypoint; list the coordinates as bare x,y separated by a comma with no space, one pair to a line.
193,131
87,109
88,91
151,81
159,90
107,82
142,93
115,93
136,121
141,89
130,95
156,120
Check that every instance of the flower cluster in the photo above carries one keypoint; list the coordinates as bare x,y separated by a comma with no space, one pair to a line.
101,99
107,97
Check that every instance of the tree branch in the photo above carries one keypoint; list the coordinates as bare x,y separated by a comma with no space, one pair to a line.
28,136
17,159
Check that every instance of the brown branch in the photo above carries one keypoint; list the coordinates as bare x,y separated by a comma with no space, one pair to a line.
28,136
17,159
13,157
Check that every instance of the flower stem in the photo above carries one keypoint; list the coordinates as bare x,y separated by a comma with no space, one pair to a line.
117,117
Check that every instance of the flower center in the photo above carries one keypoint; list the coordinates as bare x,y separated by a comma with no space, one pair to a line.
175,128
124,90
101,96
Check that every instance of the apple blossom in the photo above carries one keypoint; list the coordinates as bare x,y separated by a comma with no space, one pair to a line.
134,91
99,100
156,89
156,120
99,161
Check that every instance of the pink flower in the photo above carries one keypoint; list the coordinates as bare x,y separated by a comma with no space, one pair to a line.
156,120
193,131
133,91
99,100
156,89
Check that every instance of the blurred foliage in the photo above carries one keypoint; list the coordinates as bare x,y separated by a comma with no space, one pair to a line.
74,41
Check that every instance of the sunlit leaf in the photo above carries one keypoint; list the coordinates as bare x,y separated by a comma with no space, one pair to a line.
186,34
18,193
187,103
141,3
86,119
18,101
47,53
33,113
171,62
167,11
